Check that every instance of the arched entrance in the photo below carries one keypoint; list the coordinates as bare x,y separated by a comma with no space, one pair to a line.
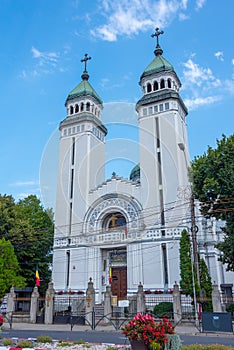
118,272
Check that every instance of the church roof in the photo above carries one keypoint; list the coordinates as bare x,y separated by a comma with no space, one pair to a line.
84,88
135,173
159,64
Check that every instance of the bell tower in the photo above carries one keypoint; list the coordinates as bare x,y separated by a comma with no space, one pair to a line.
81,168
163,142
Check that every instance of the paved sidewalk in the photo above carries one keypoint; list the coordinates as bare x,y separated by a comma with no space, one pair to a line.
182,329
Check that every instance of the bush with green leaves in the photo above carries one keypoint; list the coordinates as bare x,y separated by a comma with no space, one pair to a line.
24,344
164,309
7,342
206,347
44,339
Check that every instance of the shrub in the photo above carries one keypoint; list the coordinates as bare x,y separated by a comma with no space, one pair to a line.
80,341
230,308
44,339
206,347
163,309
24,344
7,342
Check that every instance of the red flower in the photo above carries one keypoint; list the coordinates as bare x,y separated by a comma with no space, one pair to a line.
144,327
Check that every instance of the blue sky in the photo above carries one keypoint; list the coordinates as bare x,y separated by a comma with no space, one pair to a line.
42,43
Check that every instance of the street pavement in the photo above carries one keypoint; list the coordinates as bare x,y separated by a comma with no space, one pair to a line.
182,329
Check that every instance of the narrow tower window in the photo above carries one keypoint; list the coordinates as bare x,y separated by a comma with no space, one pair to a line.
155,86
72,181
70,218
164,253
76,108
162,84
73,150
169,83
68,268
149,87
88,106
82,107
71,109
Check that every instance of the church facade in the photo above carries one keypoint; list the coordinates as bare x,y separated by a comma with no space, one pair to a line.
125,231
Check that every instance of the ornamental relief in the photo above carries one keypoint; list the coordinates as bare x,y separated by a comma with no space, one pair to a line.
131,211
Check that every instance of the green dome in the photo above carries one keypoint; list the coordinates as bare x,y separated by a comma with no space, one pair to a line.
135,173
83,89
159,64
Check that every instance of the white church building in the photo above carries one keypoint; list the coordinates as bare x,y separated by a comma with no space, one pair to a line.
125,231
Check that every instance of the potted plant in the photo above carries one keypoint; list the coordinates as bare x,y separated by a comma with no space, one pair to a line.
144,333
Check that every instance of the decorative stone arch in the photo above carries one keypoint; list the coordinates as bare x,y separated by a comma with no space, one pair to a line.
99,215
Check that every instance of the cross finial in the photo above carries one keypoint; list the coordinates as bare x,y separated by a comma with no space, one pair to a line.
157,33
158,50
85,59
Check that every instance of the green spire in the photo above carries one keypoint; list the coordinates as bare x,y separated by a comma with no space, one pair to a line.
159,63
84,88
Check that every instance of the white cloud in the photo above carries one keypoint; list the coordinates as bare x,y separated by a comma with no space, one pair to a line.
200,4
45,58
201,85
233,61
45,63
219,55
194,75
229,86
195,103
24,183
129,17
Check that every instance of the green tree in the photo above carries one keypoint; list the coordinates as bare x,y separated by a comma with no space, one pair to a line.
213,185
205,285
186,272
31,235
7,214
9,268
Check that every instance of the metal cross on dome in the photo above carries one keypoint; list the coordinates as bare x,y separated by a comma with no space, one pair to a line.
85,59
157,33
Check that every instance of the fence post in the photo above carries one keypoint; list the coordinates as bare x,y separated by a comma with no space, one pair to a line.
107,303
33,307
140,299
216,299
177,310
49,304
11,302
90,302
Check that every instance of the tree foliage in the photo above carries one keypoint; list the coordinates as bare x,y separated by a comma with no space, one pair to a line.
205,286
9,268
186,272
188,276
213,185
29,228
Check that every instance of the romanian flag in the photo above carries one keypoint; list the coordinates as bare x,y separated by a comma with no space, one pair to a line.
110,275
37,277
